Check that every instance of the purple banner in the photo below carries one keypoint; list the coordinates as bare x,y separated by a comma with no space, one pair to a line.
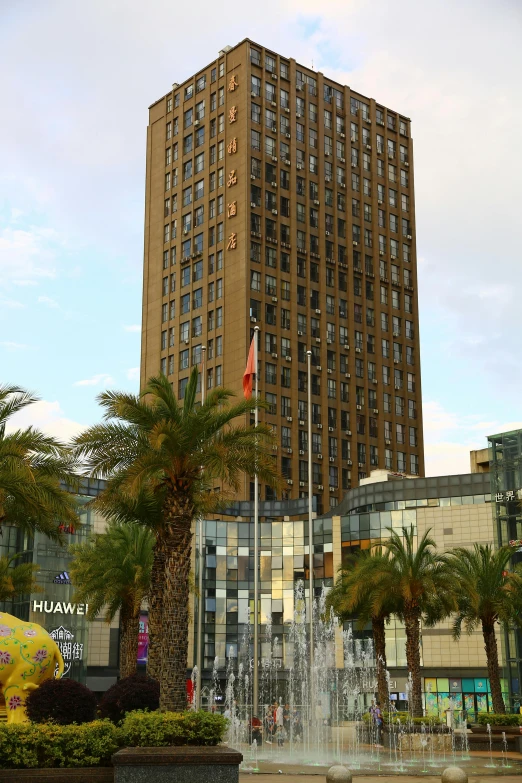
143,640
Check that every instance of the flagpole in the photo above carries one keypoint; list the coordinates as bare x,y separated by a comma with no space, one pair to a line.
310,529
199,651
255,693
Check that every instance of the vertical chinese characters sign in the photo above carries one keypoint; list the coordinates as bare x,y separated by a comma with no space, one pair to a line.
71,651
143,640
232,177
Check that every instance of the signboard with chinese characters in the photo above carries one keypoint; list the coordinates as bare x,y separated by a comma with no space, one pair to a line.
508,496
143,639
71,650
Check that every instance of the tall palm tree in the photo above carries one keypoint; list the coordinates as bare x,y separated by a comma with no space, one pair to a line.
112,571
144,509
355,596
176,452
34,471
419,583
490,595
17,580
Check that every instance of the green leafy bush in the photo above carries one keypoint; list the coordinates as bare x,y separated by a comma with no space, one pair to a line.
407,721
497,719
403,716
48,745
157,729
29,745
136,692
61,701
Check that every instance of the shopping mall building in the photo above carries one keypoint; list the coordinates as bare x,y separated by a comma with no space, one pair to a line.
458,510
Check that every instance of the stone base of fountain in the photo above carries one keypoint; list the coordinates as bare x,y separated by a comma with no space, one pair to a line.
482,742
410,743
516,730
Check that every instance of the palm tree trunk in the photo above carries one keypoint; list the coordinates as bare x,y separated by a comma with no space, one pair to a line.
412,624
177,548
129,635
157,585
490,645
379,641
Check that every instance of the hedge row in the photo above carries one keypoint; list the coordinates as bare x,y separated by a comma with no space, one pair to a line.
31,745
497,719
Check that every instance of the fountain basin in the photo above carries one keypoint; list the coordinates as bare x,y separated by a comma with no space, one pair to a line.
513,730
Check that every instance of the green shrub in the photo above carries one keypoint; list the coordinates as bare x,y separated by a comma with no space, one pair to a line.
61,701
403,716
157,729
497,719
136,692
406,720
29,745
48,745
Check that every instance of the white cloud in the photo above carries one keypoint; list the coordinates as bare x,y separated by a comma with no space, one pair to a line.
46,300
48,417
449,438
102,379
133,373
11,346
27,255
132,328
12,304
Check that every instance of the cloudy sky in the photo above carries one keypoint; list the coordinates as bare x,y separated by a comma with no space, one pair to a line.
76,80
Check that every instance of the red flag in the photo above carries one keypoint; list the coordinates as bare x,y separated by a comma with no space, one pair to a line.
249,371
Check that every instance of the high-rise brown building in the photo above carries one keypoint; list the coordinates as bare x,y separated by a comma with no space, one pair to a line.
277,197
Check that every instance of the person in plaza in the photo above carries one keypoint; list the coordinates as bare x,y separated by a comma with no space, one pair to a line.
298,726
286,718
378,721
279,716
269,724
256,730
280,735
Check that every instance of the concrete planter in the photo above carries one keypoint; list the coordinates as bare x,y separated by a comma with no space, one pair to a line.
56,775
180,764
480,729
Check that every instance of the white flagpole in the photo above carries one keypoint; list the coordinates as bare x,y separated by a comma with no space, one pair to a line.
310,530
199,651
255,694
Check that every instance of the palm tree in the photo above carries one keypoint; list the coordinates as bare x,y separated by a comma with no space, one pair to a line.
17,580
419,583
112,571
157,447
490,594
35,470
354,595
144,509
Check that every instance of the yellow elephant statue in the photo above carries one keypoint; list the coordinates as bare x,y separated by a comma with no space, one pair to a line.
28,657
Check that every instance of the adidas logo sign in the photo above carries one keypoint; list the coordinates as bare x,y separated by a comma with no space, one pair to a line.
62,579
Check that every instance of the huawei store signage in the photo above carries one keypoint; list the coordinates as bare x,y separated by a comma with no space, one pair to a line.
59,607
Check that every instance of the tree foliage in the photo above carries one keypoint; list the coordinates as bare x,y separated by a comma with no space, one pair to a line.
17,580
489,595
169,456
112,572
35,470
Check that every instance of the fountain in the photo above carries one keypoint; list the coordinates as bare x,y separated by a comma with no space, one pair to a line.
318,715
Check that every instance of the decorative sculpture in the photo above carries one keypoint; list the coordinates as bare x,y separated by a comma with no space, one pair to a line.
28,657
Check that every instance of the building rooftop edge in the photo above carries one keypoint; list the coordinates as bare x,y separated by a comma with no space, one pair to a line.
423,486
250,41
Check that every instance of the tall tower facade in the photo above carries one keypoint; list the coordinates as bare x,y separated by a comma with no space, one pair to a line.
276,197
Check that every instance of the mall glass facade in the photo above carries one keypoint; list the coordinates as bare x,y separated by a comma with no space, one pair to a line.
53,607
505,456
456,509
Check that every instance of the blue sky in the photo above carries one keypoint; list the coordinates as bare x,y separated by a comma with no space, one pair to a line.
77,80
